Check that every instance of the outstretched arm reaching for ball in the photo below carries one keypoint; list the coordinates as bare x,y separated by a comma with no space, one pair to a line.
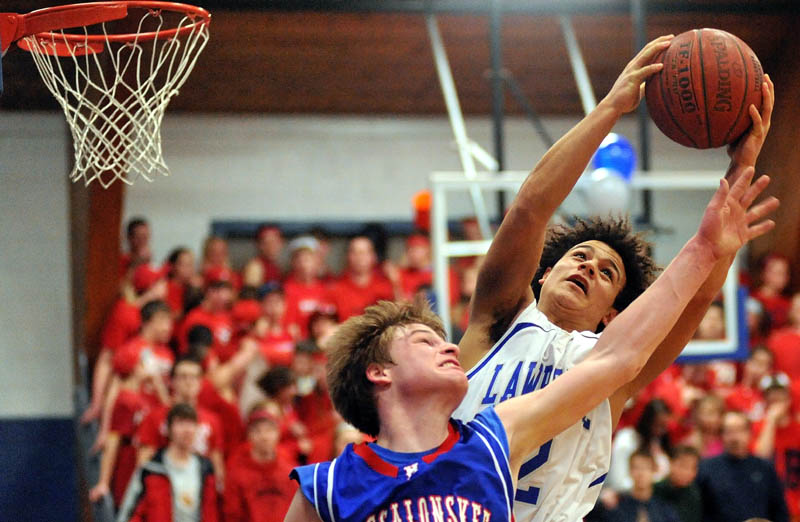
744,154
503,286
630,339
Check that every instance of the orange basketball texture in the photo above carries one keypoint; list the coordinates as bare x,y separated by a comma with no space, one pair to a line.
701,97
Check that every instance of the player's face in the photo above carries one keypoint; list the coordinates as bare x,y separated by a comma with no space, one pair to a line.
264,436
182,433
184,266
587,278
139,238
642,470
217,252
360,255
758,365
683,470
162,326
426,363
735,434
776,274
186,381
270,243
305,263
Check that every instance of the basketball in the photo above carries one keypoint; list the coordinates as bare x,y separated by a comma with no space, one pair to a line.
701,97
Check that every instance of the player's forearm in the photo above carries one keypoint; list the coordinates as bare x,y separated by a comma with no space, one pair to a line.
102,376
108,405
559,169
632,337
682,332
109,458
765,443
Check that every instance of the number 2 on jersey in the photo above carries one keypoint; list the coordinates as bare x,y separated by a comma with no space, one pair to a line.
531,495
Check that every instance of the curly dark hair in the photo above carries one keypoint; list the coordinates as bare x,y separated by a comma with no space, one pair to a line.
617,233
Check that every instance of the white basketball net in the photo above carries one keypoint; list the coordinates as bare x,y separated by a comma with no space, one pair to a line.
114,101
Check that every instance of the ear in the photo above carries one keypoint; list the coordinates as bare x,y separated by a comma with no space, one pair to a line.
378,375
544,276
610,314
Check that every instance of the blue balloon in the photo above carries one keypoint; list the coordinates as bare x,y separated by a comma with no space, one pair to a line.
616,153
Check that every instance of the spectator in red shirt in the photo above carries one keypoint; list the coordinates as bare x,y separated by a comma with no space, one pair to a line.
459,313
216,265
705,435
777,438
774,281
758,326
362,283
149,347
123,323
182,279
313,404
176,484
785,343
305,292
321,326
138,236
746,396
265,267
119,455
213,313
279,386
278,338
416,272
187,376
257,488
325,274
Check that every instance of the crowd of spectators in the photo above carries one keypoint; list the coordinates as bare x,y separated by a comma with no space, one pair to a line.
211,379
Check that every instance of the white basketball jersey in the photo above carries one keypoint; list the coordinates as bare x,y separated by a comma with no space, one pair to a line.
562,479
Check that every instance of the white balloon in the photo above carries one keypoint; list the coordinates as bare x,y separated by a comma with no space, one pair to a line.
606,192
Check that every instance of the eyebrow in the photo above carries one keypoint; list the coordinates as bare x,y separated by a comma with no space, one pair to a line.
613,263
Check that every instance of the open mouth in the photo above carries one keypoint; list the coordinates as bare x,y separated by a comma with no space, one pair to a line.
579,282
450,364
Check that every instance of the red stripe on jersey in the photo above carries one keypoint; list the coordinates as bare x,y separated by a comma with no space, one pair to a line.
374,461
447,445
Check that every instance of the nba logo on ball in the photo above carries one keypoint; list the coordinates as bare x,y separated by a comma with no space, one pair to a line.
701,97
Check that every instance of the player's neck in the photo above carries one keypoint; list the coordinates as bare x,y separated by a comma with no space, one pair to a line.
148,335
178,454
412,428
567,320
361,278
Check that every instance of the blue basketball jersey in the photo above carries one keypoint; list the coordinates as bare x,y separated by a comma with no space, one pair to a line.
466,478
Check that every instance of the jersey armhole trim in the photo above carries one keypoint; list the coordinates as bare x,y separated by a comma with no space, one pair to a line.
517,328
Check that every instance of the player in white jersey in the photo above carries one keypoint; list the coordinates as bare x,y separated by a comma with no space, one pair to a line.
539,304
392,375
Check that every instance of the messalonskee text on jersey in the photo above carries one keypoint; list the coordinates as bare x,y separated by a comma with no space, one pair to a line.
536,377
433,508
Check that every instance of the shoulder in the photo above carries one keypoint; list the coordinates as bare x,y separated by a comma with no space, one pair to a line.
206,466
490,429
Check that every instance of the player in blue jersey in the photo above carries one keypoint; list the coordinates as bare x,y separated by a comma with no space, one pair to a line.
541,302
393,376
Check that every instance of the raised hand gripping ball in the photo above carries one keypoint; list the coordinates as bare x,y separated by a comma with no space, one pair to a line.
701,97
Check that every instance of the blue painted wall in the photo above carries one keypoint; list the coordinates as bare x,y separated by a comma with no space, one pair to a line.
39,479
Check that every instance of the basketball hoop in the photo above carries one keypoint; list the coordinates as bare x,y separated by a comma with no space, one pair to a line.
114,83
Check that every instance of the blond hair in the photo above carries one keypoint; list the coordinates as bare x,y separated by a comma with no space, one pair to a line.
365,340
